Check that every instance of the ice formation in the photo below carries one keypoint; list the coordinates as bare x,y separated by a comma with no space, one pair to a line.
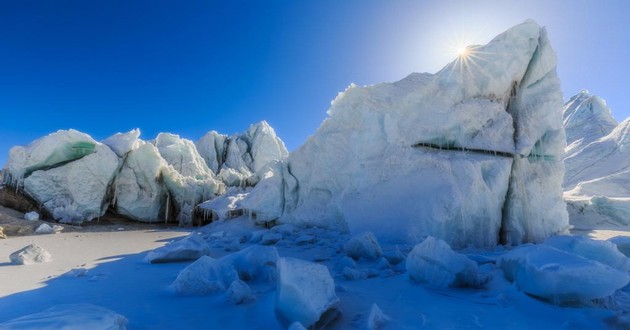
70,316
31,216
605,252
305,292
77,179
596,180
434,263
192,247
547,272
239,293
471,155
363,245
204,276
29,255
376,318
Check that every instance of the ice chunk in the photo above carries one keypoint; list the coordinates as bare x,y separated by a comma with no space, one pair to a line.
546,272
239,293
434,263
305,292
29,255
296,326
376,318
254,262
44,228
226,206
74,316
363,245
76,191
602,251
122,143
49,151
191,247
204,276
270,238
31,216
266,201
622,243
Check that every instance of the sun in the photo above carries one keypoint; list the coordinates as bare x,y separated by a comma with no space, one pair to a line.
462,51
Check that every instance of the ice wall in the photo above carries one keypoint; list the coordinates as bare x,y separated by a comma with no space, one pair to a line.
471,155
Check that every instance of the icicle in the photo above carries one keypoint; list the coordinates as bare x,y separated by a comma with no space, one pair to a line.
168,203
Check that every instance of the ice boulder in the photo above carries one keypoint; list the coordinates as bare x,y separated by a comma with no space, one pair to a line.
204,276
254,262
192,247
44,228
622,243
376,318
547,272
71,316
434,263
305,293
29,255
31,216
76,191
473,146
183,156
47,152
226,206
122,143
363,245
602,251
139,191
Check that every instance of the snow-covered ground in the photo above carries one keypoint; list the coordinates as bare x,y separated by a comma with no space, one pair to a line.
109,270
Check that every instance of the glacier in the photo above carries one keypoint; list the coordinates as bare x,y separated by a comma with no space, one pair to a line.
76,179
597,166
471,155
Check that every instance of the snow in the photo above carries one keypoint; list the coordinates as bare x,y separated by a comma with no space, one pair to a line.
192,247
31,216
448,143
363,245
29,255
69,317
434,263
305,292
547,272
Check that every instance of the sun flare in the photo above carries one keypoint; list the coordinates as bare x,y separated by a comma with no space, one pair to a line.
462,51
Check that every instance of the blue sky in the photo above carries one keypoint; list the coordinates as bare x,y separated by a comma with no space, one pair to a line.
188,67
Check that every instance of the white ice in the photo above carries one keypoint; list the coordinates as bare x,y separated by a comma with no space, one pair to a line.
69,317
192,247
30,254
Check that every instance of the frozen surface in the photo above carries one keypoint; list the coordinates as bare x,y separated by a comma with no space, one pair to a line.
434,263
29,255
305,291
547,272
69,317
482,136
191,247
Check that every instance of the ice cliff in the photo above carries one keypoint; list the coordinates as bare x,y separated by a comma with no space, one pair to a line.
597,176
77,179
471,155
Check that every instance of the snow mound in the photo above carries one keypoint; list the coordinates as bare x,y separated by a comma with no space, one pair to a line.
69,317
549,273
602,251
363,245
434,263
192,247
204,276
305,293
473,146
29,255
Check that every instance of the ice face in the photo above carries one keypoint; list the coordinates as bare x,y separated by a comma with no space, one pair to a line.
122,143
463,155
586,118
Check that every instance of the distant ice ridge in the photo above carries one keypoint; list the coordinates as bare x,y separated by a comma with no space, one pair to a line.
597,177
471,155
77,179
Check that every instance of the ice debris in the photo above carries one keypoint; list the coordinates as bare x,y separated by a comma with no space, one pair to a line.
31,216
29,255
376,318
239,293
191,247
363,245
